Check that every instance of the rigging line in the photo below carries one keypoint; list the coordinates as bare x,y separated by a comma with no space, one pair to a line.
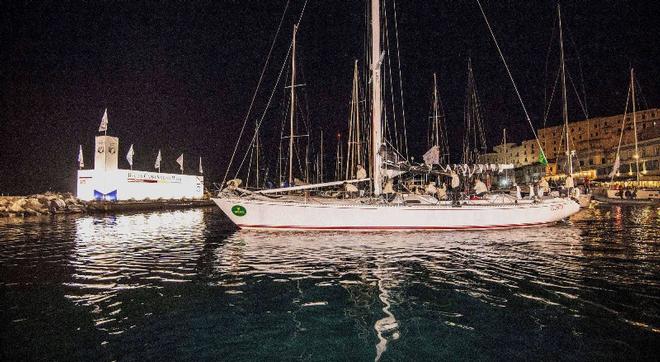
511,77
389,70
623,122
640,95
269,98
284,112
263,115
579,59
256,91
249,168
478,111
549,104
398,56
583,106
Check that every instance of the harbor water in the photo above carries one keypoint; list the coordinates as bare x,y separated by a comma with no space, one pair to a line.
185,285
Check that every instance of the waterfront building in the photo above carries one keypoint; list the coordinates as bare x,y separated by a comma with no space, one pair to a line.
594,142
107,182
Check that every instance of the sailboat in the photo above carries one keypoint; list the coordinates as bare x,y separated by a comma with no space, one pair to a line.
632,193
583,199
294,208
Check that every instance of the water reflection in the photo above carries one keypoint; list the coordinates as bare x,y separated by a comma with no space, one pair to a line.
121,252
490,268
179,284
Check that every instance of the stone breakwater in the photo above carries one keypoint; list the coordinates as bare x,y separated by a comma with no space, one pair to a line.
66,203
41,204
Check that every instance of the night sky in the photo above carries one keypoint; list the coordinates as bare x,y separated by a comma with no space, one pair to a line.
179,75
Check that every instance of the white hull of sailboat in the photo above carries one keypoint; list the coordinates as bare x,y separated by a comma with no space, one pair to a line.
278,215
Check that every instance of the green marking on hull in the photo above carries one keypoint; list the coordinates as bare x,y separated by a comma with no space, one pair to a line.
238,210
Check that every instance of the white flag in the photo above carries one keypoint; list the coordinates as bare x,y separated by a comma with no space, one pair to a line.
129,155
81,163
180,161
432,156
158,159
615,168
104,122
201,171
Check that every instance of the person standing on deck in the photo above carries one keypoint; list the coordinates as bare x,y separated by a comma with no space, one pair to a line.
455,187
480,188
441,192
543,187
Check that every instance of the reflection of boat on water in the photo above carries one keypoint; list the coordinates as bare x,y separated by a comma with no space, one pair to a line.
375,279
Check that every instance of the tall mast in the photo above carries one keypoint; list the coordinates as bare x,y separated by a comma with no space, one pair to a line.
293,105
376,101
354,156
563,93
321,163
257,149
506,159
436,126
632,86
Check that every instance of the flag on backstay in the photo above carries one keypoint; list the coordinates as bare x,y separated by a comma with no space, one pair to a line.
104,122
201,171
180,161
81,163
432,156
129,156
615,168
158,159
542,159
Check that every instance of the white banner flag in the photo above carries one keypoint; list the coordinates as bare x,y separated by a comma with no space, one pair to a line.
615,168
104,122
180,161
201,171
129,156
432,156
158,159
81,163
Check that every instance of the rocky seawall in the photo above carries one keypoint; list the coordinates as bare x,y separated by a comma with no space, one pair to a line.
66,203
41,204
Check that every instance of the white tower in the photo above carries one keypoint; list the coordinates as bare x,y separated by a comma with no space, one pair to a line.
106,153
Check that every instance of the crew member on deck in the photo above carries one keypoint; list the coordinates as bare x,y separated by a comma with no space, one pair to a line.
480,188
455,187
569,184
360,173
543,187
430,188
389,187
351,190
441,192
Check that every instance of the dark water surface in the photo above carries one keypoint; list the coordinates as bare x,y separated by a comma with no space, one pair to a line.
184,285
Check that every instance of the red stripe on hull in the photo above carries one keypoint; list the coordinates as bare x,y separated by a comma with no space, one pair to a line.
399,228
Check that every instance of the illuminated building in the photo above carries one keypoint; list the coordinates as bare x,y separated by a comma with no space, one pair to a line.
595,142
107,182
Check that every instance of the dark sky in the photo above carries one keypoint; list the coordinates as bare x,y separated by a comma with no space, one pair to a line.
179,75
